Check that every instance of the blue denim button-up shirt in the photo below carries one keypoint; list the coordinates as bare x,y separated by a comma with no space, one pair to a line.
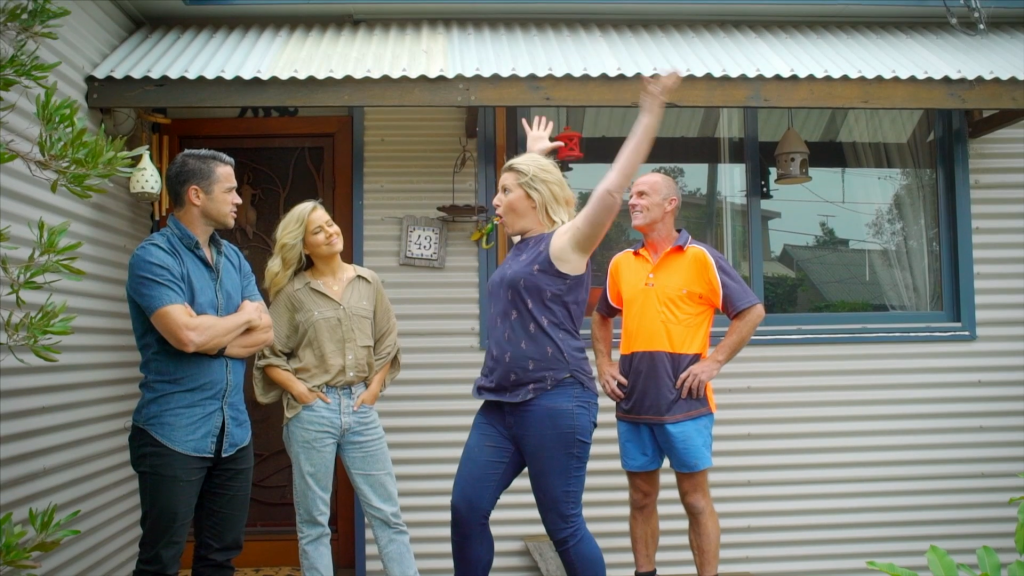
186,398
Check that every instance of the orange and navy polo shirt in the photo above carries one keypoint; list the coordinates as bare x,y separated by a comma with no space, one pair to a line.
667,311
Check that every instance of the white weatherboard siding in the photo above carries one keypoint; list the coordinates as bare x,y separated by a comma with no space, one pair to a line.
826,455
62,426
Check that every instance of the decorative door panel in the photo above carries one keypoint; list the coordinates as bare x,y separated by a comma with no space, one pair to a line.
278,163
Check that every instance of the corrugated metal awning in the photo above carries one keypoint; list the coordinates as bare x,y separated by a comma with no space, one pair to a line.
467,49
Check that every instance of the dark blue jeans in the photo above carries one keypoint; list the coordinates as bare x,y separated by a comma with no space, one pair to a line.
550,435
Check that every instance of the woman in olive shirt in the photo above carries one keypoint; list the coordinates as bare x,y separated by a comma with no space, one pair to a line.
335,348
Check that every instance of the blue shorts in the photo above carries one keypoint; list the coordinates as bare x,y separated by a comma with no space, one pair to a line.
643,447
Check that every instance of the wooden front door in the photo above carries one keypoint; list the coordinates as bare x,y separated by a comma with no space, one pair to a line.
279,162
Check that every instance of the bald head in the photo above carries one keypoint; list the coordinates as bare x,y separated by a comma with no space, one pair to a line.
662,184
651,205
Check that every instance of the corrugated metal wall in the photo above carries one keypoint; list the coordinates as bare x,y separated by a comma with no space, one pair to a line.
503,48
428,409
63,436
826,455
831,455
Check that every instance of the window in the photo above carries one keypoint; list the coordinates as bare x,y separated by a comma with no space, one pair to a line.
701,149
863,234
875,245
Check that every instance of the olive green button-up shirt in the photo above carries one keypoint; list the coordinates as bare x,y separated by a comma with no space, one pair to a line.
324,342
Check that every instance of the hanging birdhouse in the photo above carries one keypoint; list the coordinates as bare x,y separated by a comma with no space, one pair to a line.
571,151
145,182
791,159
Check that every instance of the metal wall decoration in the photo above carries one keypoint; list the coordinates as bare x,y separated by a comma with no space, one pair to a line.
423,242
279,111
463,212
257,181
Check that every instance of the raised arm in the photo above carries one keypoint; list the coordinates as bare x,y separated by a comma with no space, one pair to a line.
538,136
573,243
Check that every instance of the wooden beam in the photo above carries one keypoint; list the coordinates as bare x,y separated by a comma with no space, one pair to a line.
694,92
978,126
500,155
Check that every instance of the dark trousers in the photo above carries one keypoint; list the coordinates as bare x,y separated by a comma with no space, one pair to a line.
176,489
550,435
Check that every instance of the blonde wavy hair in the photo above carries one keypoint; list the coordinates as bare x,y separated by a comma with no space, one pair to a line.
288,258
543,182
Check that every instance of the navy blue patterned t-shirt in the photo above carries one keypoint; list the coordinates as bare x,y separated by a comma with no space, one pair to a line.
534,320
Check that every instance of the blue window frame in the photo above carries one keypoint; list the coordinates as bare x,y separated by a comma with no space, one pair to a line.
951,248
486,185
911,289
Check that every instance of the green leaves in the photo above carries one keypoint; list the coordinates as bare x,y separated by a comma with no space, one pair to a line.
988,562
70,156
891,569
1018,535
66,154
16,553
50,259
50,255
941,564
22,26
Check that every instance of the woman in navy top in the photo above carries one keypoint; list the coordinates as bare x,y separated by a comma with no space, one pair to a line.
540,398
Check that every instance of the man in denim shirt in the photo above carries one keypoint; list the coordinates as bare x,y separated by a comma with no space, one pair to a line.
197,315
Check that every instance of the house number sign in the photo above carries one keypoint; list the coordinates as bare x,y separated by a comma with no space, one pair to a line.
423,242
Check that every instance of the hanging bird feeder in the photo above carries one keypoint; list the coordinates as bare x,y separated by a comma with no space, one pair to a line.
571,151
792,158
463,212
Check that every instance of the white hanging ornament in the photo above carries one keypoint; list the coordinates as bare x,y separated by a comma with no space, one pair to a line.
145,182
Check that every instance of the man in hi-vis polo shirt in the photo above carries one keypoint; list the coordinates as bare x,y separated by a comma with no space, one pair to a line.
667,289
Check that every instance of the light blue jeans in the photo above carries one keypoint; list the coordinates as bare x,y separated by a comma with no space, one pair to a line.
312,439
